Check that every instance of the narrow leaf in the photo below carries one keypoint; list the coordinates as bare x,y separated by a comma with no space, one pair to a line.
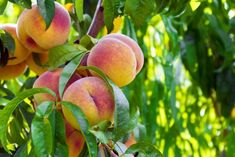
23,3
11,106
88,41
68,71
139,10
8,42
79,9
84,126
61,148
62,54
146,148
41,128
47,10
123,121
3,4
109,13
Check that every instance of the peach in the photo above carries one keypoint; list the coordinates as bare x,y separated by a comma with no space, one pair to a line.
50,79
94,98
20,52
38,69
74,140
118,56
134,46
12,71
32,32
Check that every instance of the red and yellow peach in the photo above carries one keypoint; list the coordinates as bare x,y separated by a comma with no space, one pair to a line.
32,31
118,56
94,98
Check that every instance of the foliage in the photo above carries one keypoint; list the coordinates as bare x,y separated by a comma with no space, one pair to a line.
180,104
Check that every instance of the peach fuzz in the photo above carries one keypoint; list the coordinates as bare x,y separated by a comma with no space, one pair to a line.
115,58
38,69
74,140
94,98
20,52
50,79
133,45
32,32
12,71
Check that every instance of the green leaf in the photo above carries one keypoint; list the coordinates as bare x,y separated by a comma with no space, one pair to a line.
42,135
88,41
61,148
109,13
44,109
47,10
25,150
84,125
68,71
3,4
79,9
123,121
100,135
8,41
63,53
23,3
11,106
139,10
146,148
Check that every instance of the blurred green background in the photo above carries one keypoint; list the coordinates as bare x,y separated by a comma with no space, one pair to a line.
185,94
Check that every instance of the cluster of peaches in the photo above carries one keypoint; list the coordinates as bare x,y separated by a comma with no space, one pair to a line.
117,55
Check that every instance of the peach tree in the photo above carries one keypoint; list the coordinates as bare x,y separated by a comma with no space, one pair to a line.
75,106
117,78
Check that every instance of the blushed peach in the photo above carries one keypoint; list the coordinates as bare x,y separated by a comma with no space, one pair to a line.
133,45
74,140
94,98
115,58
32,32
50,79
12,71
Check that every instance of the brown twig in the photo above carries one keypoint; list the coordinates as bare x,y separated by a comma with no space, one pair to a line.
110,150
97,21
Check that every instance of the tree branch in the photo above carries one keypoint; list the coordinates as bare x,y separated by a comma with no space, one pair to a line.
98,20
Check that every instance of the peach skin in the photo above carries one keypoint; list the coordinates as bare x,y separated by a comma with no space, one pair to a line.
32,32
94,98
74,140
133,45
50,79
115,58
12,71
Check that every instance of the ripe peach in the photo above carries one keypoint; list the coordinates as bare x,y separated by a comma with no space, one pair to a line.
32,32
134,46
12,71
74,140
50,79
94,98
43,57
118,56
20,53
